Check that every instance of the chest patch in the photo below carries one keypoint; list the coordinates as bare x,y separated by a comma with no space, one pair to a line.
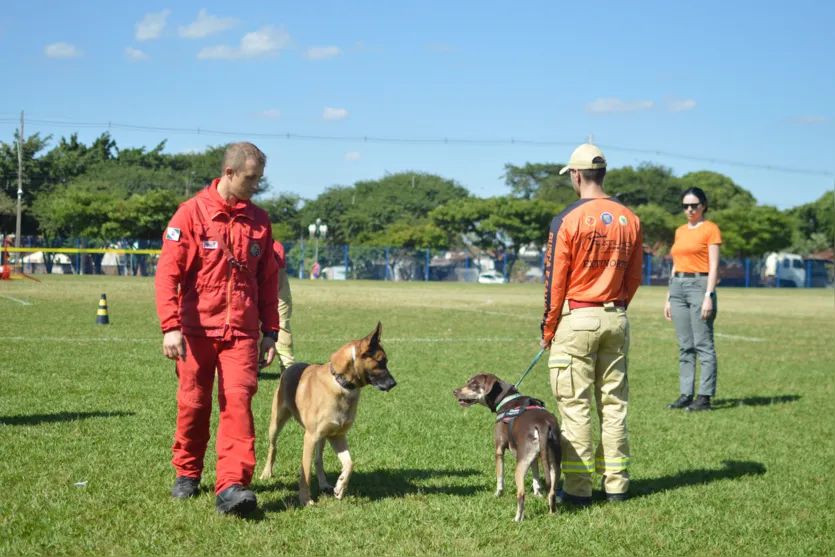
209,244
254,249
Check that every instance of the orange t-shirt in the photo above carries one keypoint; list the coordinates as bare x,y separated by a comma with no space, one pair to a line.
689,250
595,254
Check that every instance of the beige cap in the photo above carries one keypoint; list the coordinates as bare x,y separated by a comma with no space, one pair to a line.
585,157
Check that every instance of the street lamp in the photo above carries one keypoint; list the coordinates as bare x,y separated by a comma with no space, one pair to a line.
317,229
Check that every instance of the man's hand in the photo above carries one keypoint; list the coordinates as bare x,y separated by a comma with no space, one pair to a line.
544,345
668,311
174,345
267,353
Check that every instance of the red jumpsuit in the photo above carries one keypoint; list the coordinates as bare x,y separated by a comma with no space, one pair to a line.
218,308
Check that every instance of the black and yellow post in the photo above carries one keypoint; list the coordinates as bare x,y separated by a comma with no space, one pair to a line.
101,315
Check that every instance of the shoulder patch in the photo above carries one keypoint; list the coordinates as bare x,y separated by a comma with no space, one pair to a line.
607,218
622,220
172,234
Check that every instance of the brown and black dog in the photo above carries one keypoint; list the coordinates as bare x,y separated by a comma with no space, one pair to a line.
323,399
524,425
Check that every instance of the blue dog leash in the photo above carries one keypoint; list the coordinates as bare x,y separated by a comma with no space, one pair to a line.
530,367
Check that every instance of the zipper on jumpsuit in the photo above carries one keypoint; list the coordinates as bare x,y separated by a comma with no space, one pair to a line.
226,327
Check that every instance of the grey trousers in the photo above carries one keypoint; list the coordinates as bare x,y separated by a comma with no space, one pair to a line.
695,336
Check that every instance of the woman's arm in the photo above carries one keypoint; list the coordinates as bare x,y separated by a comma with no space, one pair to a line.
713,260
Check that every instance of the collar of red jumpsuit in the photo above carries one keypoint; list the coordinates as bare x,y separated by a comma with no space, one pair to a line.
216,204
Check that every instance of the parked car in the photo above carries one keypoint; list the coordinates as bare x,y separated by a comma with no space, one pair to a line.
490,278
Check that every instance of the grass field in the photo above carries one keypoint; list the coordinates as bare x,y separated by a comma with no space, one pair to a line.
96,404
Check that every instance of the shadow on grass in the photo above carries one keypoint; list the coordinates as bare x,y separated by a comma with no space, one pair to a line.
267,375
377,485
722,403
38,419
731,470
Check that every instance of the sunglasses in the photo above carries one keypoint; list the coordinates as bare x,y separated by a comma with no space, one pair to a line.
693,206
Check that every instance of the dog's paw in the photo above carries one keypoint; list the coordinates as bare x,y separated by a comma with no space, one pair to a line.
266,474
326,489
499,492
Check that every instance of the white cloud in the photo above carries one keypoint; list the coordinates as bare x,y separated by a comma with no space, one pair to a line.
812,120
152,25
352,156
61,50
206,25
135,55
610,105
322,52
334,113
680,105
265,42
269,113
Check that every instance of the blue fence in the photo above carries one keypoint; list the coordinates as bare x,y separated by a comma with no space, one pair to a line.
347,262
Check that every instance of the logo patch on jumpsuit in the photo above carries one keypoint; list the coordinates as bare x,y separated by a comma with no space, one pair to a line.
172,234
254,249
209,244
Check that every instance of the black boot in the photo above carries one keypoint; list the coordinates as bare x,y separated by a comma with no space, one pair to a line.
702,402
185,487
235,499
681,402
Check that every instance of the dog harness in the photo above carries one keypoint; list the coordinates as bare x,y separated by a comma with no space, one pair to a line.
509,416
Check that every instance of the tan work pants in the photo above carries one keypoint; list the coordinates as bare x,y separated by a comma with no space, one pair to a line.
284,347
590,354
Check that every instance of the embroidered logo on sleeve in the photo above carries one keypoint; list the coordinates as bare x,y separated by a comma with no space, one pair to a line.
209,244
172,234
255,249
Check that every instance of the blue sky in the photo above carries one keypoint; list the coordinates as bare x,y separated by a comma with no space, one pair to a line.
737,81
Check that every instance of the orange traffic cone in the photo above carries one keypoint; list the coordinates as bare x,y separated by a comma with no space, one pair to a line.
101,315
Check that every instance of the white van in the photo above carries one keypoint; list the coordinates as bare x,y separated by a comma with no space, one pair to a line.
790,267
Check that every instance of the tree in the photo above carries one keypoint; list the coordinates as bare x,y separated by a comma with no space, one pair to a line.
648,183
497,225
753,231
285,215
657,225
357,214
722,192
540,181
814,219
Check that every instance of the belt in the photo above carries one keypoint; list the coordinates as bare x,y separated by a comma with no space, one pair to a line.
575,304
689,275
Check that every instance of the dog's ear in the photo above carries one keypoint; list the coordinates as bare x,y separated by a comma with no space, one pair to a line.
373,337
343,358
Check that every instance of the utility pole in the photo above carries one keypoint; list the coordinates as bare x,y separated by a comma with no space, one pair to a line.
591,139
413,181
19,181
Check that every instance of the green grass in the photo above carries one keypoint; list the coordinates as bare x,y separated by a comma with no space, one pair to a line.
80,402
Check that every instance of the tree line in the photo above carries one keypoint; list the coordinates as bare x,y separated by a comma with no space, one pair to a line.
103,192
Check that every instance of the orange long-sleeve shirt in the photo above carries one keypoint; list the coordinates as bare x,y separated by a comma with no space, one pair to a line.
594,254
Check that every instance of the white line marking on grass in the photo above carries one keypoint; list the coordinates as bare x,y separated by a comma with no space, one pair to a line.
738,337
723,335
300,339
15,300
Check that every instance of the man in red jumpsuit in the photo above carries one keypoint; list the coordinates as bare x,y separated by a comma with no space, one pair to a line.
216,279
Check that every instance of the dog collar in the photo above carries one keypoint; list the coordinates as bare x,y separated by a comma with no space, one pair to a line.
344,383
508,399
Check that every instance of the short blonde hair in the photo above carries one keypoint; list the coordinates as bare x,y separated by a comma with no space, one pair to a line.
237,154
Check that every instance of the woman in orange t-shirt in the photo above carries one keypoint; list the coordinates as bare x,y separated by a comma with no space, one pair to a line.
691,300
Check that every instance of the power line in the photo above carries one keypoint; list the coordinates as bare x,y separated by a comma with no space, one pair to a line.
416,141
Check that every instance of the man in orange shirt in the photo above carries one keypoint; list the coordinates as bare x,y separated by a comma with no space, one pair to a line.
216,281
593,268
